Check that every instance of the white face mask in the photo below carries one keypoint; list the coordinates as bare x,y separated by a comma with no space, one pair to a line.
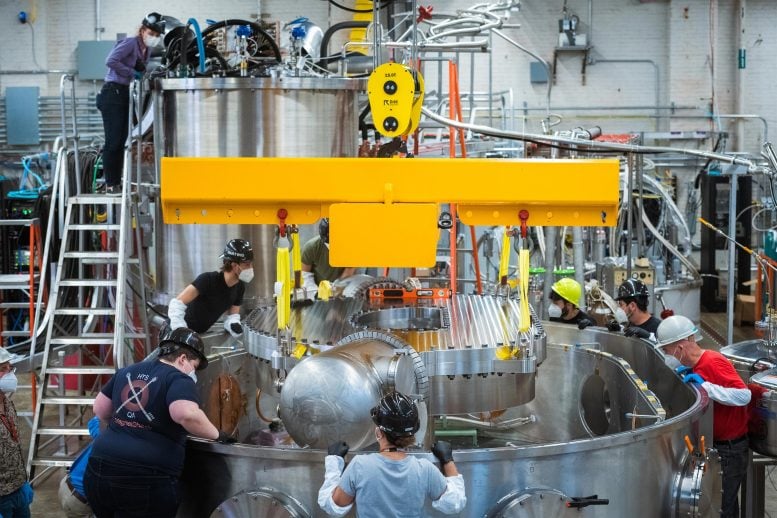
193,375
246,275
671,361
8,384
554,311
151,41
620,316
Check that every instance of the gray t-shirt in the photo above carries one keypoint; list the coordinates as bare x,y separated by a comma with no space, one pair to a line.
383,487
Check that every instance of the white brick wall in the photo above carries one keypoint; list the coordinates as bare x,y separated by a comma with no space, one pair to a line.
674,35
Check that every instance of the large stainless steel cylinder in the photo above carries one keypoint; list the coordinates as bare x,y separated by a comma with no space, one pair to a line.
244,117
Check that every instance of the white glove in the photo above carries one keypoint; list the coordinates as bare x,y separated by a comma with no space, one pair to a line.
333,465
233,326
453,499
309,285
176,310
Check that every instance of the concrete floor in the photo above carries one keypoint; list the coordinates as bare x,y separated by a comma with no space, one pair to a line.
46,503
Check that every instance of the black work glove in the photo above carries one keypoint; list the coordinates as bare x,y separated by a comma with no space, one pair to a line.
637,332
443,451
584,323
339,448
301,303
139,66
225,438
613,326
236,328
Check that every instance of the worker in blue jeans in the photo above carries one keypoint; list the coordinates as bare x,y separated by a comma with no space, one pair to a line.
72,496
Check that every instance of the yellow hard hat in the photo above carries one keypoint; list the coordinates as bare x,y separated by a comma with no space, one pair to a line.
568,289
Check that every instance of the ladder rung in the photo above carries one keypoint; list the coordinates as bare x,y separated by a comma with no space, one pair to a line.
53,461
17,281
14,305
91,255
94,226
84,311
63,430
88,282
94,199
67,400
81,369
82,340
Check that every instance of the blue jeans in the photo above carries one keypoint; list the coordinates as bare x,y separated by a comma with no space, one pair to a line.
733,459
14,505
113,103
117,489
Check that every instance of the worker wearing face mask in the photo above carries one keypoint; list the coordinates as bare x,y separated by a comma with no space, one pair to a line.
632,311
203,301
315,262
15,492
149,408
127,59
677,337
564,298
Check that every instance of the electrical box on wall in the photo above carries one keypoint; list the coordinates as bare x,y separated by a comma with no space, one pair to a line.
21,113
90,59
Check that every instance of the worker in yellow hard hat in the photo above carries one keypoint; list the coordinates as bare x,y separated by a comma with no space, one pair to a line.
564,298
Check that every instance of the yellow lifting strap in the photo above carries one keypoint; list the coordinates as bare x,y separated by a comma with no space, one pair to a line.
504,258
324,290
283,283
523,267
296,258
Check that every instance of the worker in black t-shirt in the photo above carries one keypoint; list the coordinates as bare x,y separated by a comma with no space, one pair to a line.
633,311
564,299
203,301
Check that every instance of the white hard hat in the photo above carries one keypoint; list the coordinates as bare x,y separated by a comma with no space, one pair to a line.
675,328
5,356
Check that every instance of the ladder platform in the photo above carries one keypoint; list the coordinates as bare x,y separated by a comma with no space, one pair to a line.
95,199
90,283
63,430
67,400
85,311
57,461
82,369
95,226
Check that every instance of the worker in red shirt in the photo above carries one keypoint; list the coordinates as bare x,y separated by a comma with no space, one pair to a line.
714,373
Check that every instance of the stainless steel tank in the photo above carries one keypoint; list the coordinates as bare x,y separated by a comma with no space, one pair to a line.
609,419
763,426
244,117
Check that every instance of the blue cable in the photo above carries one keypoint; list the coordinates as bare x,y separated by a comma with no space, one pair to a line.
200,44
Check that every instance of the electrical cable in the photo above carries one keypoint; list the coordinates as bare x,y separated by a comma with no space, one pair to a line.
383,4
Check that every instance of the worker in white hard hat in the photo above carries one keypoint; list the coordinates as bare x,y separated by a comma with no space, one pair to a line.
676,337
15,491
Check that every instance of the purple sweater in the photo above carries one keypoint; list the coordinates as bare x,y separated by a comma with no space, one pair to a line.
121,61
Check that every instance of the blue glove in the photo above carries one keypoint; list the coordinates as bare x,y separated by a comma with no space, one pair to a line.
27,493
693,378
682,370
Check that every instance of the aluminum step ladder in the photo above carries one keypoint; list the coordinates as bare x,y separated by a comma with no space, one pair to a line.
97,324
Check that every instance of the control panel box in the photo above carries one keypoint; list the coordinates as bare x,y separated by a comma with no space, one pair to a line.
611,276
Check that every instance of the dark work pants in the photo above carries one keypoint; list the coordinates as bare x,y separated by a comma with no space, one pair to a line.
733,458
116,489
113,103
14,505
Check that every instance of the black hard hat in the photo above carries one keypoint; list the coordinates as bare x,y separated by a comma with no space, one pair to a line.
323,229
238,250
632,289
397,415
154,22
184,337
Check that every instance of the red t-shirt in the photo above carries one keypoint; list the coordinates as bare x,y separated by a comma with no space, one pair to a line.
729,422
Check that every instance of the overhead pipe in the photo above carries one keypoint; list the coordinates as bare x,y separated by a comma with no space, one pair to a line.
550,258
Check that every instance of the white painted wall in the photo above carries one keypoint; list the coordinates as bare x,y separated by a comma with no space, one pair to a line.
678,40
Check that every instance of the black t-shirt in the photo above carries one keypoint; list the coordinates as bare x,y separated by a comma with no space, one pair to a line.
650,325
140,430
213,299
581,315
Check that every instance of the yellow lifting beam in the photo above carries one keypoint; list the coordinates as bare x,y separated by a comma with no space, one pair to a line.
383,212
